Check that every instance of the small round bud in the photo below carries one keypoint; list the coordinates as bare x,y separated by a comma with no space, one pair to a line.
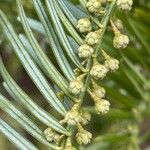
98,71
85,117
93,5
52,136
83,136
112,64
125,4
102,106
77,85
73,116
85,51
120,41
92,38
84,25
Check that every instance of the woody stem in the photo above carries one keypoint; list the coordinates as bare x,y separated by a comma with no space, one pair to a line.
104,22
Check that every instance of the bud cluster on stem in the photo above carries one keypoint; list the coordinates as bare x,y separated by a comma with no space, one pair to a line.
98,94
120,40
125,4
96,69
76,116
83,136
52,136
77,85
84,25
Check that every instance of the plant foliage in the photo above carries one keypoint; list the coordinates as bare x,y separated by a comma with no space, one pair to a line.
128,89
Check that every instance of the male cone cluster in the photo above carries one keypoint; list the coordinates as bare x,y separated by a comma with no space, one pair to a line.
77,116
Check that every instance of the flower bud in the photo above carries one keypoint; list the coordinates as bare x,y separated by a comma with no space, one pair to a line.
73,116
93,5
77,85
52,136
102,106
110,63
125,4
84,25
85,51
98,71
83,136
92,38
85,117
120,41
